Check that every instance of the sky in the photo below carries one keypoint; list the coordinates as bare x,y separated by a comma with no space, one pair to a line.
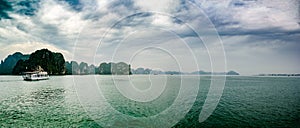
248,36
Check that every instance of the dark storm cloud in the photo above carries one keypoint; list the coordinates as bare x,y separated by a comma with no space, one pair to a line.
4,8
27,7
75,4
263,32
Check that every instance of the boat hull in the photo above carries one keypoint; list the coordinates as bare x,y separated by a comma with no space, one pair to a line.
35,79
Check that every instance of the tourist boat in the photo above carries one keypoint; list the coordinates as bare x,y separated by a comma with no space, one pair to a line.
34,76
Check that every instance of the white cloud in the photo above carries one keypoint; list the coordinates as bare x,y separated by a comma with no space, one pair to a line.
29,47
60,15
53,13
157,5
161,20
264,17
254,15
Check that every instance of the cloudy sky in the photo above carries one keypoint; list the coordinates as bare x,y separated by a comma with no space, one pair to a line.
248,36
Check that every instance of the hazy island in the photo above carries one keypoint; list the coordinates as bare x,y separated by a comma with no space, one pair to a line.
150,71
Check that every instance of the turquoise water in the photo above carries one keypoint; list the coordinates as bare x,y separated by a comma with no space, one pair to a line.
95,101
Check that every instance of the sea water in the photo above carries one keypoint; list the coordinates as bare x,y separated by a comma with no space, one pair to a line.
97,101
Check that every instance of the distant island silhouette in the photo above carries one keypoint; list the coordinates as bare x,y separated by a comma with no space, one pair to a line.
150,71
55,64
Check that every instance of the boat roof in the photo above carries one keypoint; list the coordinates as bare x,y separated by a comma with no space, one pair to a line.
34,72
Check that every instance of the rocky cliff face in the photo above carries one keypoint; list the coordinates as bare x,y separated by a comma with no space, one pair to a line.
6,66
53,63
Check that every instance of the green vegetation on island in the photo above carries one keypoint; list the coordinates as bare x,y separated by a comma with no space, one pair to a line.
53,63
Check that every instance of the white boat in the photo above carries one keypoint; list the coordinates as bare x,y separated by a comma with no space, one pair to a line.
34,76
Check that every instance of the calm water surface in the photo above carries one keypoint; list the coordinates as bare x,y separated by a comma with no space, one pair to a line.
74,101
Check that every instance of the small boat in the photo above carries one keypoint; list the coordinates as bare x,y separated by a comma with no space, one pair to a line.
35,76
